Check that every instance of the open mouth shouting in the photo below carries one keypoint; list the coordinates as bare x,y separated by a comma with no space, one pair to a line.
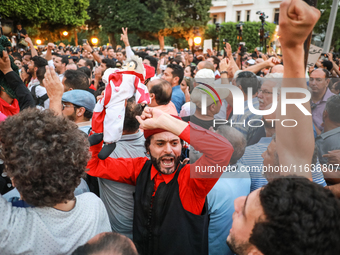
166,164
167,161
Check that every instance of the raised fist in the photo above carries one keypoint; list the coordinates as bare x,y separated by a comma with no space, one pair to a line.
297,20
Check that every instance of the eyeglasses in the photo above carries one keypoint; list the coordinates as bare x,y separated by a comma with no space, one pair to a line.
67,106
265,92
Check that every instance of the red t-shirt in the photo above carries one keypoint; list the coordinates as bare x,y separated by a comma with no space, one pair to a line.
193,191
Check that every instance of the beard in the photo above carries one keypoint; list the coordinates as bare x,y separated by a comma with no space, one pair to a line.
72,117
157,163
238,249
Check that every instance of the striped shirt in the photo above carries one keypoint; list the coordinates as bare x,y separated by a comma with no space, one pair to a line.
252,158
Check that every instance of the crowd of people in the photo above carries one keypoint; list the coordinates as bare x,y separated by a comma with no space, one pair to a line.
161,190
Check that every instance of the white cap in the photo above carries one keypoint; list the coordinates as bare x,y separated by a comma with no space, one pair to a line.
205,73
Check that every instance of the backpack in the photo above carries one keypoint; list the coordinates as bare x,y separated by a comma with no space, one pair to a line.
38,100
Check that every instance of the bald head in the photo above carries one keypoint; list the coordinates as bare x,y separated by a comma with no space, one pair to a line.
160,92
205,65
108,243
277,69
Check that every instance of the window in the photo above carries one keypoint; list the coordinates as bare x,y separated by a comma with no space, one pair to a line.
214,19
247,15
238,16
276,15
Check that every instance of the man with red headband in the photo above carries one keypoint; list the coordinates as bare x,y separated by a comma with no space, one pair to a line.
170,215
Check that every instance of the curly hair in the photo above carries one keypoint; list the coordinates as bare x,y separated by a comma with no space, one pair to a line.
46,155
301,217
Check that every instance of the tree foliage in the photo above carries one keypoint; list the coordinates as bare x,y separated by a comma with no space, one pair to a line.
250,34
112,15
325,7
149,18
182,16
48,14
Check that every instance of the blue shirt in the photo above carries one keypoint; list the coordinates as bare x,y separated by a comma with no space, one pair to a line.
252,158
230,186
178,97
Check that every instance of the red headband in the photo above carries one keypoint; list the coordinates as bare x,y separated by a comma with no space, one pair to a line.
150,132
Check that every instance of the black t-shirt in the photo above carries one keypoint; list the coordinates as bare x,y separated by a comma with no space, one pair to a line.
19,32
202,123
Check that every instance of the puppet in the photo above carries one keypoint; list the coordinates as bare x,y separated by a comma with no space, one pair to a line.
109,112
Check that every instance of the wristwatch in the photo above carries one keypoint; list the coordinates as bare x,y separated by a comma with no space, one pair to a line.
224,72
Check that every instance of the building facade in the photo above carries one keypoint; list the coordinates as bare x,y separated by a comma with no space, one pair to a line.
244,10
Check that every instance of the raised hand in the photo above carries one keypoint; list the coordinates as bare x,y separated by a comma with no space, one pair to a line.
53,85
224,64
28,40
150,118
228,50
50,46
273,61
87,47
297,20
124,37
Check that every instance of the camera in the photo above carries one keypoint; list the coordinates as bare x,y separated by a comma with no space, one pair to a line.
262,17
84,41
242,49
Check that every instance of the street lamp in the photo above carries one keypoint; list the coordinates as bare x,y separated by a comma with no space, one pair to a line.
94,41
239,28
38,41
218,28
65,33
263,18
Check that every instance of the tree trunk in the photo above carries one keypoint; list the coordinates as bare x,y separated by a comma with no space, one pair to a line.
161,41
75,37
113,40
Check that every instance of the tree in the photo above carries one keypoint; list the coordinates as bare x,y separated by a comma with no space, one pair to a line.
112,15
150,19
46,13
325,7
249,35
181,16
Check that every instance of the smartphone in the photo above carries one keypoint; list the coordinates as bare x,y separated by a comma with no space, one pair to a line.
84,41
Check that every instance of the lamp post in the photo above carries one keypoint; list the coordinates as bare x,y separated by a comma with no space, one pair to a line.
239,28
263,18
266,36
218,29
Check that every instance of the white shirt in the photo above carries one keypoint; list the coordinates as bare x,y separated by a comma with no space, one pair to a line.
40,91
45,230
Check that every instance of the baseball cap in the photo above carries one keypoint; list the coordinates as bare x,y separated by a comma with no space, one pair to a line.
213,93
74,51
81,98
